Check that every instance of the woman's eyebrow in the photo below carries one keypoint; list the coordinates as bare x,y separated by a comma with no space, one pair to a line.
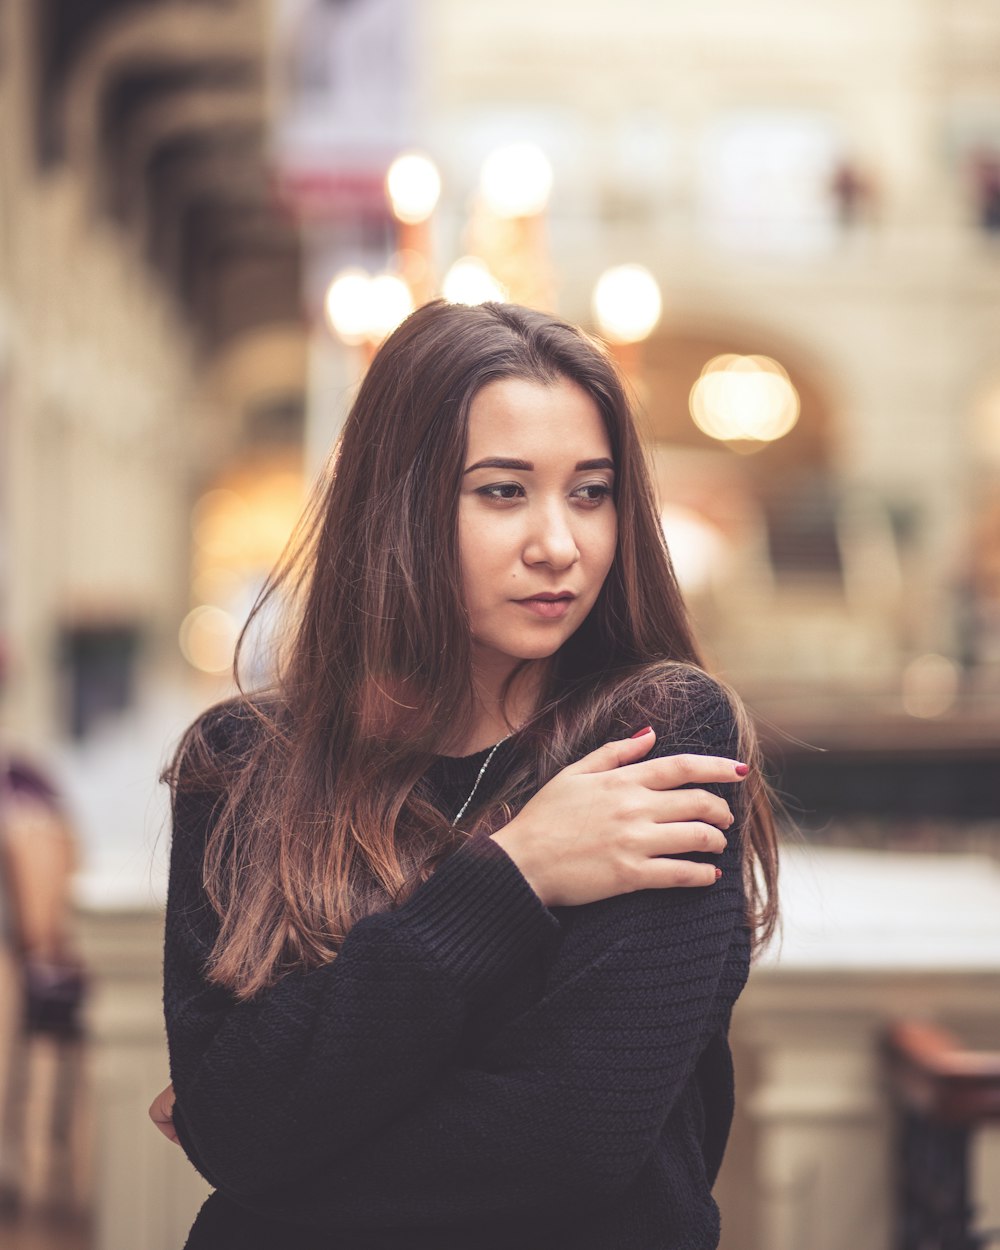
503,462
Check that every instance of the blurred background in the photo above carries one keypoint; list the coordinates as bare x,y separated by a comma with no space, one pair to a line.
785,220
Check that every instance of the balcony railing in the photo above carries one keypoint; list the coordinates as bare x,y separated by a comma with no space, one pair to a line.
942,1093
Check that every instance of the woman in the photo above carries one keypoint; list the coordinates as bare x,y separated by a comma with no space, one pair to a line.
454,930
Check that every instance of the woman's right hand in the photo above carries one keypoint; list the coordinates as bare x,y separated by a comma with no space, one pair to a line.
597,828
161,1112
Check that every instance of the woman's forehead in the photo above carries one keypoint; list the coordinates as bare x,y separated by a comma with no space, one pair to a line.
511,417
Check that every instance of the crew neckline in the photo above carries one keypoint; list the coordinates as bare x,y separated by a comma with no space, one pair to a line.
474,755
478,755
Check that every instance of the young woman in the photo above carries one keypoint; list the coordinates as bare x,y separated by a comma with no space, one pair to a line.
459,909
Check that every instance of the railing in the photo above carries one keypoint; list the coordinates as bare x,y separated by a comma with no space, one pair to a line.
941,1093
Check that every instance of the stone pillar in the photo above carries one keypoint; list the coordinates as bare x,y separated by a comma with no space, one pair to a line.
146,1193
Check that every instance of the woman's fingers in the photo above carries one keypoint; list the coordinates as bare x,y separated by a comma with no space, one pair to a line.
668,806
658,874
161,1112
683,837
614,754
670,771
667,772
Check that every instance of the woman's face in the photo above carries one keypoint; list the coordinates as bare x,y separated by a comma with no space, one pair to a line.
536,519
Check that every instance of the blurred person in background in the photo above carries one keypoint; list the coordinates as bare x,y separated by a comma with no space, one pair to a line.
38,857
459,907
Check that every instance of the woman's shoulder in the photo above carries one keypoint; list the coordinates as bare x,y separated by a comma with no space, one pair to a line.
219,739
684,703
229,726
210,765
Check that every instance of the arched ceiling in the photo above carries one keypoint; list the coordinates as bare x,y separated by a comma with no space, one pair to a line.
168,116
160,106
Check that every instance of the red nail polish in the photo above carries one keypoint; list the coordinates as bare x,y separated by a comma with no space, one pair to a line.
742,770
642,732
718,873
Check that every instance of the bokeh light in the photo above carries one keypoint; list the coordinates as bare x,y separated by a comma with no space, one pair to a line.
347,305
469,281
627,303
208,639
698,550
364,309
390,301
930,685
744,398
219,520
516,180
245,530
414,187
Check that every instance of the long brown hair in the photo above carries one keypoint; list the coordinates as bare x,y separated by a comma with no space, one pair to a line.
323,820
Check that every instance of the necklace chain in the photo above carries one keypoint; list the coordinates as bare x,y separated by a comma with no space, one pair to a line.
475,785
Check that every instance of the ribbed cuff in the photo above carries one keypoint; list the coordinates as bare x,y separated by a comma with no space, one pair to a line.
477,915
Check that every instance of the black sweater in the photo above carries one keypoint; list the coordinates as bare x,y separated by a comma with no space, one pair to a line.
473,1070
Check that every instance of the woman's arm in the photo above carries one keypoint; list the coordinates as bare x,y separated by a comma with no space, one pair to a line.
271,1091
566,1103
328,1055
564,1108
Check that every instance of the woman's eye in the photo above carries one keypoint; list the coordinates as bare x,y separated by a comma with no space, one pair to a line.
502,490
593,492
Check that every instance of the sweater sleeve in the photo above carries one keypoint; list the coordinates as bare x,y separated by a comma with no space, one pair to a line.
333,1054
565,1104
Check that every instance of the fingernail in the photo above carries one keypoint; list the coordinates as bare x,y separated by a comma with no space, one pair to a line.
742,770
718,873
642,732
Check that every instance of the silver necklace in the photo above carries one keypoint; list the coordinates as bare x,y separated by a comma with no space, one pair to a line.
486,763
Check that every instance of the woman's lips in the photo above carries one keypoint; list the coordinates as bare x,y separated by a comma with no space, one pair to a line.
550,609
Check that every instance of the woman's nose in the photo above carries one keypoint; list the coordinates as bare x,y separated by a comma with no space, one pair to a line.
551,540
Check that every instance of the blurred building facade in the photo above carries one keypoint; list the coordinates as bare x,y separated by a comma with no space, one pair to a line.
808,187
151,331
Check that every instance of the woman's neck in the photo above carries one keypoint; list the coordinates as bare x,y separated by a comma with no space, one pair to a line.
493,717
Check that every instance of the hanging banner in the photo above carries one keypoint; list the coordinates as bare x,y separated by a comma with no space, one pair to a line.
344,101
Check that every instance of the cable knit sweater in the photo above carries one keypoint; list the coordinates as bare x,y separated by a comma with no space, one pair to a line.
474,1070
